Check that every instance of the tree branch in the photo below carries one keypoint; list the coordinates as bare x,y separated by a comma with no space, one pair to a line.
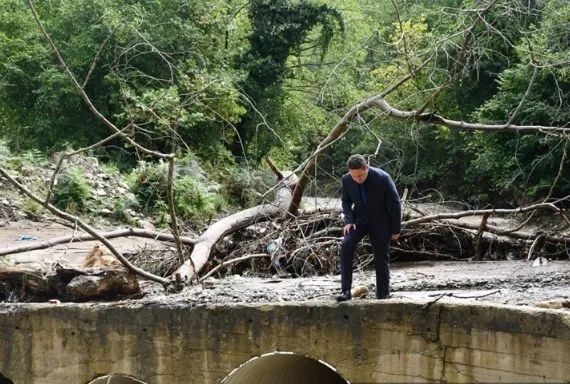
134,232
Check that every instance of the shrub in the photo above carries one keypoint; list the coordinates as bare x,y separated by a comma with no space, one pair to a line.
193,198
72,190
148,182
196,195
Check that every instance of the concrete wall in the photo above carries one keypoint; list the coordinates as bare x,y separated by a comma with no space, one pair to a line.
367,341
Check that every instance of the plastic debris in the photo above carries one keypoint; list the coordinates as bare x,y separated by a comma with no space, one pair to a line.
273,247
26,238
539,261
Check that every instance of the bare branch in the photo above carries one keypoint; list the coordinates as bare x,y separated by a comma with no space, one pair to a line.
458,215
232,261
173,219
134,232
96,59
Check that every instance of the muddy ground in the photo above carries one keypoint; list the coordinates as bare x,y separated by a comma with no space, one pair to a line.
502,282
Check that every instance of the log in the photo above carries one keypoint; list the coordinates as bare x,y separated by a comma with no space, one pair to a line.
90,284
70,284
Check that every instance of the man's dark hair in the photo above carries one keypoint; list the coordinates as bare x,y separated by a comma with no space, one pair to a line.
356,162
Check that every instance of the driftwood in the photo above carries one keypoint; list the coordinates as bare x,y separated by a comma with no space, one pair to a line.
66,283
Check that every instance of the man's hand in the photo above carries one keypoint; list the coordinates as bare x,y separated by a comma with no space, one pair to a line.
394,236
348,227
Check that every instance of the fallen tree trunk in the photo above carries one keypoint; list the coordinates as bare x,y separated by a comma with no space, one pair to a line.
217,231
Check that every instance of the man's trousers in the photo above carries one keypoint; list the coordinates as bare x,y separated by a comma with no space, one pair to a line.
380,241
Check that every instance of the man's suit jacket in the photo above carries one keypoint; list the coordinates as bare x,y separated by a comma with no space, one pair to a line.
383,209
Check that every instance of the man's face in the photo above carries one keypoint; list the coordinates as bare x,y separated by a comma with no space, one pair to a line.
359,175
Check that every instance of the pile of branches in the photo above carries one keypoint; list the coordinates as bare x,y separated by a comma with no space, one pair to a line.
310,245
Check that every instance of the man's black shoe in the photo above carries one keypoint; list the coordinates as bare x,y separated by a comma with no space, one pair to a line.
383,297
344,296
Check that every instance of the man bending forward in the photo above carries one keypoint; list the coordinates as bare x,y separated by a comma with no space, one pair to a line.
372,207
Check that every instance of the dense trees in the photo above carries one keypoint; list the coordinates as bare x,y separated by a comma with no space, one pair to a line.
232,81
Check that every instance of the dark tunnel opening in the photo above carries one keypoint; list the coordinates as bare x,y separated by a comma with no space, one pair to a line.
284,368
115,379
5,380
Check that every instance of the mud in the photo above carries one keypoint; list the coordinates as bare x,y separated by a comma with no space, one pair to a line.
503,282
74,252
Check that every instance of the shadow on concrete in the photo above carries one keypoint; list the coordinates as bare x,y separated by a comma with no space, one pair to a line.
284,368
5,380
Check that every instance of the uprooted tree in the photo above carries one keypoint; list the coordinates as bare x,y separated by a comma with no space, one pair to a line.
434,66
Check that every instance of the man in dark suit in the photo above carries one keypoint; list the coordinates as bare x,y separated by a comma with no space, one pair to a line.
372,207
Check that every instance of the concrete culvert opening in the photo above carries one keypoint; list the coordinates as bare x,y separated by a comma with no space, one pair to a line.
116,379
284,368
5,380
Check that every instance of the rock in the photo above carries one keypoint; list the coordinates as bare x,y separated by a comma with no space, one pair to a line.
5,202
100,192
106,212
554,304
6,261
121,190
359,291
540,261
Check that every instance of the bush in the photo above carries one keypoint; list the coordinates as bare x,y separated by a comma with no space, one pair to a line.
72,190
193,198
148,182
244,187
123,205
196,195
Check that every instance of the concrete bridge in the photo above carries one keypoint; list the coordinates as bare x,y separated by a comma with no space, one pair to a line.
323,342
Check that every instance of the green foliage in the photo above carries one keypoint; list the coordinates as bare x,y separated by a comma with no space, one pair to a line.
196,195
31,209
123,206
72,190
148,182
193,199
279,28
280,74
